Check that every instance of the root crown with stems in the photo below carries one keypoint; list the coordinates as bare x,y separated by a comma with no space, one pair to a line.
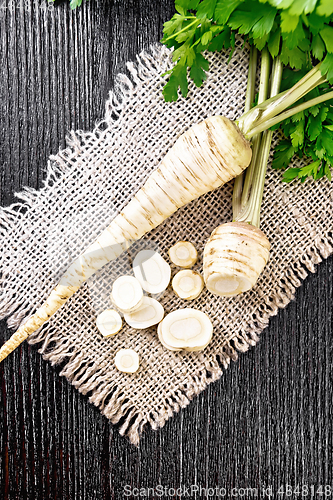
237,252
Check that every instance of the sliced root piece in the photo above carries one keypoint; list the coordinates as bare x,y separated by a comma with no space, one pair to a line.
150,313
183,254
234,256
187,329
152,271
188,284
127,360
159,333
109,322
127,293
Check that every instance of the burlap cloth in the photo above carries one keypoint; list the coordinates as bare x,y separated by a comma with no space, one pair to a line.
88,183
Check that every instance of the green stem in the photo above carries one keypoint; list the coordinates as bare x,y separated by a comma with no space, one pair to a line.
262,96
309,81
260,115
265,104
289,100
251,79
290,112
184,29
251,211
249,98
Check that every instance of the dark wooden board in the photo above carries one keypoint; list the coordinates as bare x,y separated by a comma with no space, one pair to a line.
267,422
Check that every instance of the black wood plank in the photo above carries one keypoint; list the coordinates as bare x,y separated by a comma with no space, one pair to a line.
268,421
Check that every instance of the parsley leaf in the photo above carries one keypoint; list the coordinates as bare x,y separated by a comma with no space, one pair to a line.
317,47
198,69
224,9
206,9
295,7
274,42
284,151
293,38
325,8
257,21
309,135
182,6
177,80
327,35
299,7
296,58
313,128
288,22
295,30
223,40
75,3
327,67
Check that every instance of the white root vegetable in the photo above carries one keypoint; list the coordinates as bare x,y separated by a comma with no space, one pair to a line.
127,361
150,313
109,322
152,271
167,346
234,256
183,254
204,158
187,284
127,294
187,329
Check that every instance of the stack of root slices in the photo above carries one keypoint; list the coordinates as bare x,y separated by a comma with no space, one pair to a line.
184,329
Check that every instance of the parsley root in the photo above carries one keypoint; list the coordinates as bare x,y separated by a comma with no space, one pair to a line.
208,155
237,252
234,257
204,158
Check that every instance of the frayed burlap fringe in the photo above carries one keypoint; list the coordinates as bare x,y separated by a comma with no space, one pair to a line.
87,184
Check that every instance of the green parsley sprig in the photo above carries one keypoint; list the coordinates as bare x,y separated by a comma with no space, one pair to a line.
307,134
297,31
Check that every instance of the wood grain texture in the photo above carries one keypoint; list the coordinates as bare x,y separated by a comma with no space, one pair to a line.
268,421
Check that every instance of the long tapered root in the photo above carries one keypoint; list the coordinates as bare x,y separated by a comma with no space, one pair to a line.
234,257
15,340
205,157
55,300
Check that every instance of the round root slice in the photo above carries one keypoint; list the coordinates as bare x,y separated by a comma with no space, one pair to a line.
127,360
187,329
159,333
183,254
152,271
127,293
109,322
188,284
150,313
234,256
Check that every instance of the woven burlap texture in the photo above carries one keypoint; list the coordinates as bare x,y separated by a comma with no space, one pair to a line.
88,184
